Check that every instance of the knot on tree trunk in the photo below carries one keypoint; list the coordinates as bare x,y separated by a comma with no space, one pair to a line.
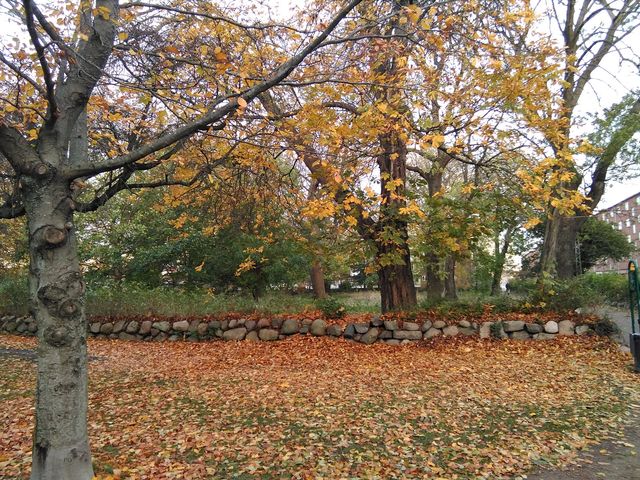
57,336
63,298
50,236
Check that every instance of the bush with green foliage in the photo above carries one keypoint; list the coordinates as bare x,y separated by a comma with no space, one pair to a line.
599,241
331,307
14,295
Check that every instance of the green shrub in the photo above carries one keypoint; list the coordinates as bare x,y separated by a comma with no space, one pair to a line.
612,286
331,307
14,295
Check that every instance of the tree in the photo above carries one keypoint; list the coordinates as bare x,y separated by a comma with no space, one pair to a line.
600,241
49,147
591,30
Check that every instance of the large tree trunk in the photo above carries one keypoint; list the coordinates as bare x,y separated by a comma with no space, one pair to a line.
317,280
450,290
566,263
500,255
60,440
397,290
548,267
435,284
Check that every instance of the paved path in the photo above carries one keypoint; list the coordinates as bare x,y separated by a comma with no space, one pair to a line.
611,460
621,317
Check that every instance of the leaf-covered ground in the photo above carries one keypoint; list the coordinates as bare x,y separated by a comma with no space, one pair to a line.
320,408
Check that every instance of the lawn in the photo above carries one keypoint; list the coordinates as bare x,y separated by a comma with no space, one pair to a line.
311,408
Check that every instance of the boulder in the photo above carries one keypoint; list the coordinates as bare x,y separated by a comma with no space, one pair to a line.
163,326
173,338
566,327
411,326
250,325
118,326
371,336
290,326
160,337
450,331
224,325
464,324
145,327
350,331
126,336
485,329
277,323
392,341
426,325
334,330
268,334
376,321
132,327
390,324
318,327
467,332
533,328
252,336
520,335
439,324
202,329
551,327
584,330
181,326
233,323
214,325
264,323
361,327
432,332
544,336
385,334
106,328
407,334
94,327
235,334
513,326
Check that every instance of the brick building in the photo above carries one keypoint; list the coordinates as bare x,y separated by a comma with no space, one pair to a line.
625,216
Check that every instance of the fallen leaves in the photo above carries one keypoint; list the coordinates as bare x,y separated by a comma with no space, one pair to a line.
323,408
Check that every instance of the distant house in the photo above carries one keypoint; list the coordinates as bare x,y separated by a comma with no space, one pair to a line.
624,216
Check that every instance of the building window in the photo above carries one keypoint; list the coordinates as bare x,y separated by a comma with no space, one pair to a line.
619,225
628,223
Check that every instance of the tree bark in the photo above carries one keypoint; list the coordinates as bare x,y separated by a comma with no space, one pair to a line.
397,290
435,284
450,290
317,280
500,255
566,264
60,440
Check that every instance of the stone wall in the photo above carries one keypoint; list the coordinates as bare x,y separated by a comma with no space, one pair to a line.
392,332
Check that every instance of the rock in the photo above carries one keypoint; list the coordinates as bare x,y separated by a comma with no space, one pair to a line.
145,327
371,336
520,335
277,323
264,323
468,332
390,324
513,326
268,334
214,325
161,337
235,334
392,341
318,327
22,327
163,326
464,324
407,334
224,325
350,331
566,327
485,329
132,327
533,328
219,332
334,330
307,322
181,326
112,336
202,329
118,326
290,326
33,327
450,331
126,336
252,336
193,325
361,327
106,328
304,329
94,327
432,332
426,325
583,330
376,321
173,338
551,327
406,341
241,322
250,325
544,336
154,332
385,334
357,337
439,324
411,326
233,323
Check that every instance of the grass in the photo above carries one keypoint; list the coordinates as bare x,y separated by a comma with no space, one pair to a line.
321,408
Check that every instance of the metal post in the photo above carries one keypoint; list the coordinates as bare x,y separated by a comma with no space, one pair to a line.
634,307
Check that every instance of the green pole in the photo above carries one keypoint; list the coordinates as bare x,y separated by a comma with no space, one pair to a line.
634,294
